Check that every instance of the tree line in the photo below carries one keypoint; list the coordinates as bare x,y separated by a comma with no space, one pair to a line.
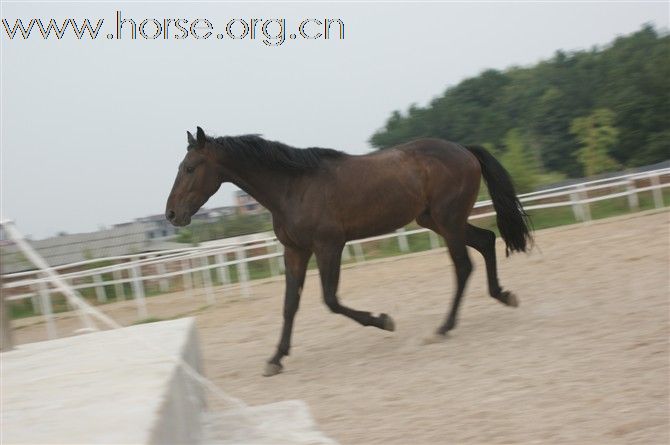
576,114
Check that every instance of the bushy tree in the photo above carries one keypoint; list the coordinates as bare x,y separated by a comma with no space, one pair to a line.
519,161
630,77
597,137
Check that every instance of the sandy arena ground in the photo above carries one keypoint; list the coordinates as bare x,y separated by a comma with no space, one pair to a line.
584,359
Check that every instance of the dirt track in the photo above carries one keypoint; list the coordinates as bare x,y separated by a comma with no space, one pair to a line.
585,359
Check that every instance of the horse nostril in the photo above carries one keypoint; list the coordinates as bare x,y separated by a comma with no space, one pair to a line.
170,215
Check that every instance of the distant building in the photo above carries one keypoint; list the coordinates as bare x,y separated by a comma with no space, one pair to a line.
246,204
215,214
156,227
122,239
146,234
221,212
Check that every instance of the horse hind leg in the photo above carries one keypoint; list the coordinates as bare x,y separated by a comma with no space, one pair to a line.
454,234
484,241
455,240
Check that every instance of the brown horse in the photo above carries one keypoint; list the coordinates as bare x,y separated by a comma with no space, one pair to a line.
321,198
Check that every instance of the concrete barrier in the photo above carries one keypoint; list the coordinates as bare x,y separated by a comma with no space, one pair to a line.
104,388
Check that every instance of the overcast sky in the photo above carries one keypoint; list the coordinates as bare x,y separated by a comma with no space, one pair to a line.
93,130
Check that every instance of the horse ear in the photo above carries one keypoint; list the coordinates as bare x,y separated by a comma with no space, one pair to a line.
201,137
190,138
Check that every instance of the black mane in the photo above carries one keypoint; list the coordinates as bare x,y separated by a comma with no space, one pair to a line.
253,149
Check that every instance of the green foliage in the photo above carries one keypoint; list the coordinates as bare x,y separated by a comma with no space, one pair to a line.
657,147
520,162
185,235
597,137
246,224
550,178
226,227
630,77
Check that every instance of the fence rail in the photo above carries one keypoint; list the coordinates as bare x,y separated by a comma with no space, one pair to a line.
187,263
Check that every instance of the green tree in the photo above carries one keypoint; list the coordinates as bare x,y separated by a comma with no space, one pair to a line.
185,235
630,77
597,137
519,161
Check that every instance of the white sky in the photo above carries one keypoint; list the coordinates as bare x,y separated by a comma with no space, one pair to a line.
92,131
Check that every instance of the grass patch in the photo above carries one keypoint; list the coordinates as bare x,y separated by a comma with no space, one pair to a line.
24,308
20,309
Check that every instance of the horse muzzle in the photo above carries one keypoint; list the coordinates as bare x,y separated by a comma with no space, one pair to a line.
180,219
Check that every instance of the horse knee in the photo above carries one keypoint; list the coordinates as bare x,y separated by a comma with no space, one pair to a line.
481,239
486,241
334,306
467,268
464,268
490,238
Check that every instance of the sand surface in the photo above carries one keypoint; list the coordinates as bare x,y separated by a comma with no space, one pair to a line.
584,359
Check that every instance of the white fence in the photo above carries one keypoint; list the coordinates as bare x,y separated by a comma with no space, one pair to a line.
219,260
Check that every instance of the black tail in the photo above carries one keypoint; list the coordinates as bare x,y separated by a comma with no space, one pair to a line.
513,221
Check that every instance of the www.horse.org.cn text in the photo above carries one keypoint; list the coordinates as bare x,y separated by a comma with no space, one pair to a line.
271,32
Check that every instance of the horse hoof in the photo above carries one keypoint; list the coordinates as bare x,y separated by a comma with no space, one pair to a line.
509,299
435,338
387,322
272,369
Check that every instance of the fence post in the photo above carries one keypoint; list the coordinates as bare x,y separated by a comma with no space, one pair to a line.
224,275
100,293
280,258
119,289
186,277
35,300
434,240
656,192
402,240
586,208
6,339
71,307
138,290
163,283
47,309
274,268
207,280
358,252
633,202
242,271
577,209
346,255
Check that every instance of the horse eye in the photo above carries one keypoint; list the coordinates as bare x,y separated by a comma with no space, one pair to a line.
189,169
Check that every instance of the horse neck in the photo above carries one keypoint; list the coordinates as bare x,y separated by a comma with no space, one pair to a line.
265,185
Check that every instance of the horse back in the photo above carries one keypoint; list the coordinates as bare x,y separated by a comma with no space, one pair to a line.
377,193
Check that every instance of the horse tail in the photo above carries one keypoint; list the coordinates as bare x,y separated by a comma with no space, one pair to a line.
513,221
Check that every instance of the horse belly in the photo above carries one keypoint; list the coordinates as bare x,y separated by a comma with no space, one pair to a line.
379,214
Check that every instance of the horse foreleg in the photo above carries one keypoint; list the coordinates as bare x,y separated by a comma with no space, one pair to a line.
295,261
329,260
